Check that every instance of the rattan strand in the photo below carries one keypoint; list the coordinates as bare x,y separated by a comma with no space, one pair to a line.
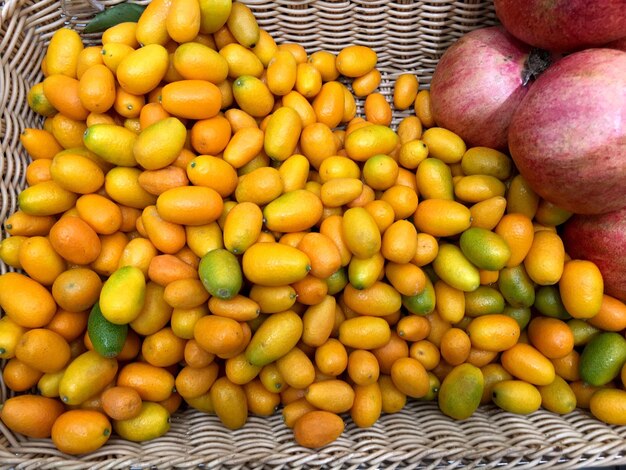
409,36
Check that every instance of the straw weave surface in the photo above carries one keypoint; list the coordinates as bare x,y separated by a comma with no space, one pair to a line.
409,36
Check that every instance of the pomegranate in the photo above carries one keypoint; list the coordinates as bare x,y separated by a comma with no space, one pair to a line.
563,25
568,135
619,44
478,84
601,239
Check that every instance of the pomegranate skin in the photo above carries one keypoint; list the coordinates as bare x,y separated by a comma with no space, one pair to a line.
563,25
601,239
478,84
568,136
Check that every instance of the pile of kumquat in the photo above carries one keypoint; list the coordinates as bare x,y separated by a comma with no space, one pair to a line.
208,223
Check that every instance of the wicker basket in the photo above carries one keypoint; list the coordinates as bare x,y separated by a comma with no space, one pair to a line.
409,36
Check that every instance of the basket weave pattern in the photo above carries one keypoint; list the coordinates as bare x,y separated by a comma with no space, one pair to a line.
409,36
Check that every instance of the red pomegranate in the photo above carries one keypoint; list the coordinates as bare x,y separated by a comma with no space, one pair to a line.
478,84
563,25
568,135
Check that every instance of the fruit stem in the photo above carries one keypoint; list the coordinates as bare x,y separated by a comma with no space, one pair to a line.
538,60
